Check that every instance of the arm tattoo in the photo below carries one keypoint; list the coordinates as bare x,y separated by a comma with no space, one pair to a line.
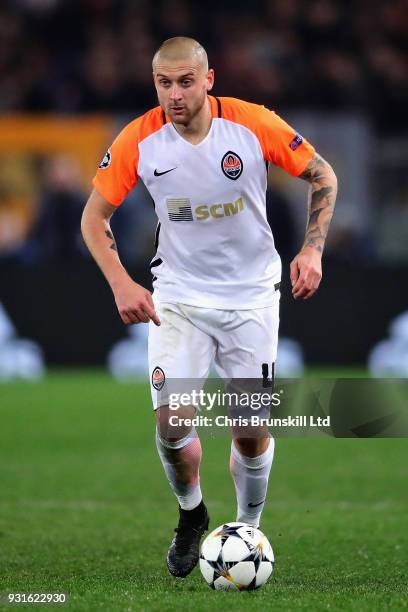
321,201
110,236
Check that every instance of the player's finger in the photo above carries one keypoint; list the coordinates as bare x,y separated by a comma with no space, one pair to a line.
301,290
299,283
149,299
299,294
151,313
310,286
311,291
307,290
125,318
308,277
142,316
294,272
133,316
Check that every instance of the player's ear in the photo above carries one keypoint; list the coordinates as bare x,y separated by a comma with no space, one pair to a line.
210,79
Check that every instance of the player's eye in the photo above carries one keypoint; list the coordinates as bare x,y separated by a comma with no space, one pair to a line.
186,82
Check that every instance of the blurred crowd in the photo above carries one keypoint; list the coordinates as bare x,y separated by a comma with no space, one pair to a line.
74,56
66,57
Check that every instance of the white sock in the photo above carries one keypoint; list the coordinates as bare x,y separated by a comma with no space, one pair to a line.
250,475
181,462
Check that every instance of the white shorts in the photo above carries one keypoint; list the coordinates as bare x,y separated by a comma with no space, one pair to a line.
240,344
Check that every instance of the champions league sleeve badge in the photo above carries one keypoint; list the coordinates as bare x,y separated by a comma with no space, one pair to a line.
106,160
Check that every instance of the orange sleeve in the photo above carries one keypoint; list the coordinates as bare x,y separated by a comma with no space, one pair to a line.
117,172
280,143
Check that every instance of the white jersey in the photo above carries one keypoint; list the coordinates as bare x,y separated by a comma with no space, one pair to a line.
214,246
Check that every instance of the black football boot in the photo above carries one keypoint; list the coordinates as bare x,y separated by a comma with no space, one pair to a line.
184,551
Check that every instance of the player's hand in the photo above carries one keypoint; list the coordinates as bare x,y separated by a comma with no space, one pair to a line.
306,273
135,303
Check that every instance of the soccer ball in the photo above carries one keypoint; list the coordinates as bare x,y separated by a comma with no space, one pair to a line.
236,556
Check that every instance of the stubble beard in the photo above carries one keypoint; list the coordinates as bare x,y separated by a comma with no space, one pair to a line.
188,115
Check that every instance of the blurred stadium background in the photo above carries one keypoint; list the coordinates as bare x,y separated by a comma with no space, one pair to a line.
73,72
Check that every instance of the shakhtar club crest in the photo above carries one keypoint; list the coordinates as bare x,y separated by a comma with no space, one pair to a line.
158,378
231,165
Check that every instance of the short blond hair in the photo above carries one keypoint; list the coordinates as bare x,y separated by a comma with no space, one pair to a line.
181,48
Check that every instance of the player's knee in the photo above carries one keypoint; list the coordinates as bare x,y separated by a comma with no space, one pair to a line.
252,446
174,425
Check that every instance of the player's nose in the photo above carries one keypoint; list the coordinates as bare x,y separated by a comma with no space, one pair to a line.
175,93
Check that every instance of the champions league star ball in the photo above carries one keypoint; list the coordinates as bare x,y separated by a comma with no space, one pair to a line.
236,556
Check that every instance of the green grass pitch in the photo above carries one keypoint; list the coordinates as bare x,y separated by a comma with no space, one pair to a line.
85,508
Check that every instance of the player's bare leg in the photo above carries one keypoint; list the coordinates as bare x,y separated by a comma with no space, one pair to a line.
179,449
252,451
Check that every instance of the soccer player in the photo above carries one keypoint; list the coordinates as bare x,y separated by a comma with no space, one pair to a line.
216,273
